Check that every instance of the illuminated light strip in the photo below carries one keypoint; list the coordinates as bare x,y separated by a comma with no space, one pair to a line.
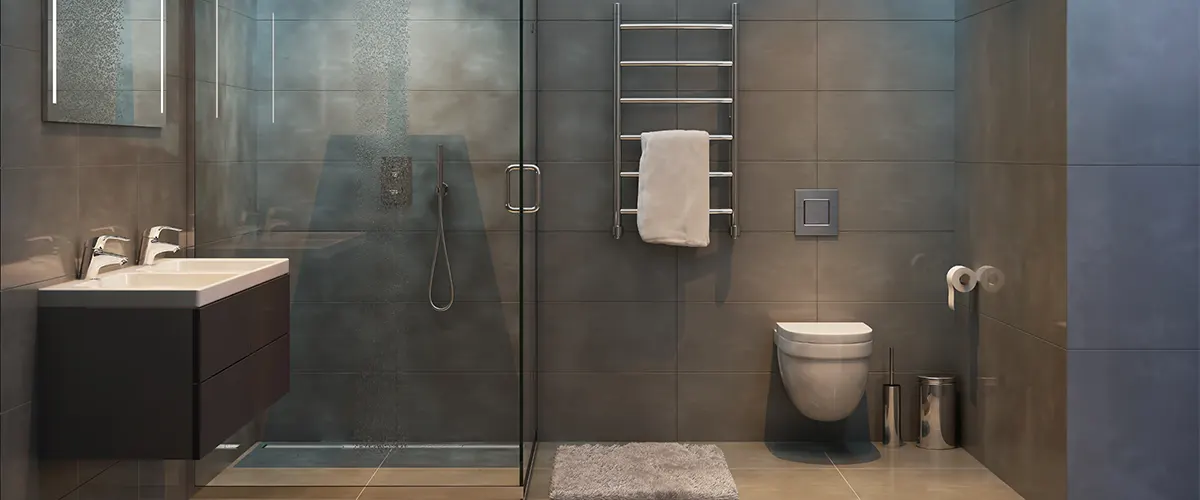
272,67
217,57
54,51
162,56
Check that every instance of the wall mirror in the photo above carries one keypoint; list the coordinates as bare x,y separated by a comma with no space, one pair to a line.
106,62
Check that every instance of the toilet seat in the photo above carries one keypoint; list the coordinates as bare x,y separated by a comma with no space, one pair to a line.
824,333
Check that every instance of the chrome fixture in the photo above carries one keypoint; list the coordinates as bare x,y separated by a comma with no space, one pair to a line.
537,189
95,257
441,190
152,246
731,137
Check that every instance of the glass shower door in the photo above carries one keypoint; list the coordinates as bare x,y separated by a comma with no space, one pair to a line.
367,141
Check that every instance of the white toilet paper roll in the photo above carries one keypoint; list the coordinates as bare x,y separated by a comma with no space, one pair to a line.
959,279
990,278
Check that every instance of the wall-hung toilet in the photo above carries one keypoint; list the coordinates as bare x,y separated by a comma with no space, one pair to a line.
824,366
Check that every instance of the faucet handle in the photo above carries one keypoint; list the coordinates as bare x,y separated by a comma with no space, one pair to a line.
99,242
155,231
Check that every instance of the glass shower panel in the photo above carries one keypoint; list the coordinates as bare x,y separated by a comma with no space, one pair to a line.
323,130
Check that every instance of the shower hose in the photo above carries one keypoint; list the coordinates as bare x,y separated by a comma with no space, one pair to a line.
439,246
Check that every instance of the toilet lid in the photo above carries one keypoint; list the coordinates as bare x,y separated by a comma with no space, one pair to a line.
824,333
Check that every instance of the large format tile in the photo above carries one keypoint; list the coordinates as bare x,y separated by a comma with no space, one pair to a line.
224,200
277,477
26,140
771,205
478,337
749,10
576,126
772,484
21,24
775,55
884,125
993,106
338,407
1117,297
733,337
909,456
886,196
923,335
642,10
757,267
39,233
577,55
108,199
18,463
778,126
978,484
884,266
764,455
18,334
348,337
742,407
1113,392
577,196
458,407
607,336
876,55
162,198
1132,79
587,266
886,9
607,407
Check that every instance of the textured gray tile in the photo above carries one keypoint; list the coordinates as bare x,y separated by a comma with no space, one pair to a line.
577,55
26,140
106,145
338,407
18,332
607,336
18,459
477,337
641,10
734,337
892,196
21,25
923,335
1133,265
577,266
607,407
485,121
162,197
886,9
768,202
884,267
1023,396
737,407
578,196
367,267
459,407
1132,79
1017,223
345,337
778,126
885,125
575,126
777,55
1111,392
39,235
757,10
758,267
108,205
486,266
882,55
465,55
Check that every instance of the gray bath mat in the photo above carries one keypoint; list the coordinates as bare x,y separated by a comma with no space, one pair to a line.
641,471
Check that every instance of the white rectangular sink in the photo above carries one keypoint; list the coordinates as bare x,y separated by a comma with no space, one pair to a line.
169,283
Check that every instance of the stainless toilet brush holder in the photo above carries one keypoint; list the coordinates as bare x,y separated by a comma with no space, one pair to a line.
891,407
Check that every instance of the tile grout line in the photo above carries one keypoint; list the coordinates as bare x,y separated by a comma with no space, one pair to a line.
372,478
843,476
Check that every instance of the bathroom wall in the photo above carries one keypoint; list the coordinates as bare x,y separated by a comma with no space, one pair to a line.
1133,259
1010,158
335,87
645,342
61,184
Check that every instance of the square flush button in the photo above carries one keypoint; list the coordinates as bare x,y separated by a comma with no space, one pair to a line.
816,212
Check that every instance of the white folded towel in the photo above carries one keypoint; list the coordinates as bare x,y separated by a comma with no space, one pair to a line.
673,188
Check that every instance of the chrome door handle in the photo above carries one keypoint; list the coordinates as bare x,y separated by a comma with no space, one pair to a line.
537,189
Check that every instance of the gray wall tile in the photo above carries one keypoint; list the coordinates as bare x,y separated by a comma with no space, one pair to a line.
578,196
759,10
776,55
885,125
923,335
876,55
734,337
607,407
884,267
778,126
108,206
18,464
892,196
22,24
604,269
459,407
577,55
345,337
26,140
641,10
576,126
965,8
769,199
886,9
338,407
607,336
479,337
18,334
40,230
741,407
1133,265
995,116
1111,392
1133,75
758,267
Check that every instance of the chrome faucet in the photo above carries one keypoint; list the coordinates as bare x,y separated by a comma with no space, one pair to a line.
95,257
152,246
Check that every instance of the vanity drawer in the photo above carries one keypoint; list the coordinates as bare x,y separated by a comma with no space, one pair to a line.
236,326
233,397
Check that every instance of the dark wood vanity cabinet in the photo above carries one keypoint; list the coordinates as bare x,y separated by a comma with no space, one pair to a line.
118,383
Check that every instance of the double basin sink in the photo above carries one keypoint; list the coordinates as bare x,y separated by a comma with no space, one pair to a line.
168,283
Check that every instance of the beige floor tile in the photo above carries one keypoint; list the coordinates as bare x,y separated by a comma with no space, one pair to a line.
441,493
539,485
779,484
774,456
928,484
544,459
875,456
498,476
246,476
278,493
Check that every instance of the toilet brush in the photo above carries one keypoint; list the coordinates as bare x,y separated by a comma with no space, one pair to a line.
891,406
